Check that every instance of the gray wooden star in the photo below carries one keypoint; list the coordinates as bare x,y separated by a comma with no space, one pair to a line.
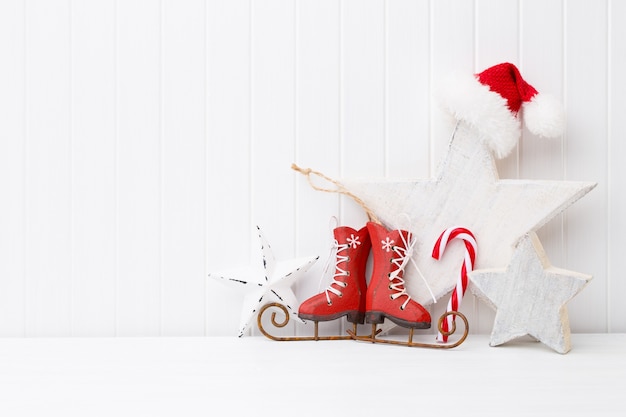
529,296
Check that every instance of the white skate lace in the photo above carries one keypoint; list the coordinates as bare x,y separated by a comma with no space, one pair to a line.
340,272
405,255
334,251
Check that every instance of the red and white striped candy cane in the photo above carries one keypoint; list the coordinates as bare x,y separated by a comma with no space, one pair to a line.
468,264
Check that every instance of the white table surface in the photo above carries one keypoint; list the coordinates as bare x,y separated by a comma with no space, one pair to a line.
256,376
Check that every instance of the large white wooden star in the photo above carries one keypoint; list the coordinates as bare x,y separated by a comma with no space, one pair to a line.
265,281
468,193
529,296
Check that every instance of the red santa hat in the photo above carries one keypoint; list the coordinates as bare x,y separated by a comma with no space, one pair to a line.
495,101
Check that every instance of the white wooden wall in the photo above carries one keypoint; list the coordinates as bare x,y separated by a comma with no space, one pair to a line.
142,140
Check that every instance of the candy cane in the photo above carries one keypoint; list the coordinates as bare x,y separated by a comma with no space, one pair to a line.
468,264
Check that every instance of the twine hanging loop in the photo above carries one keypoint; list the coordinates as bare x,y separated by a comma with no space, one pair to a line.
339,188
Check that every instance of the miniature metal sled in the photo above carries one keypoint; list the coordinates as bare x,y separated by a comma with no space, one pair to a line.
352,334
285,321
410,343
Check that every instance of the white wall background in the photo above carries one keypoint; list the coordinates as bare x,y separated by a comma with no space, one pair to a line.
141,141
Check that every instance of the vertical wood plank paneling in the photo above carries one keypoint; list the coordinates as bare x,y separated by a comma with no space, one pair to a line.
363,97
142,141
228,199
541,34
184,179
616,284
139,167
48,175
273,127
93,168
452,52
586,156
12,164
317,137
273,91
407,75
497,40
497,32
407,90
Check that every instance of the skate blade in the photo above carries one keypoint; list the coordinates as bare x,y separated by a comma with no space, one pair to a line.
371,338
279,324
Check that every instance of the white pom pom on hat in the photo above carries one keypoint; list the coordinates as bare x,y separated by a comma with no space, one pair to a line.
491,102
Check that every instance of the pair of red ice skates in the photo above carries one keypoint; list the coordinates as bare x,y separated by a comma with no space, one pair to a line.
385,297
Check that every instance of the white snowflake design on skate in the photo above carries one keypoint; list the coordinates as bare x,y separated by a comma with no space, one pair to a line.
353,241
387,244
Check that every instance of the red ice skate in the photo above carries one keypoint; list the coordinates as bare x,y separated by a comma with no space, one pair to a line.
386,294
345,296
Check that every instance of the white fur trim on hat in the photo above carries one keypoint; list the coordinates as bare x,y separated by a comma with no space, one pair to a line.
486,111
